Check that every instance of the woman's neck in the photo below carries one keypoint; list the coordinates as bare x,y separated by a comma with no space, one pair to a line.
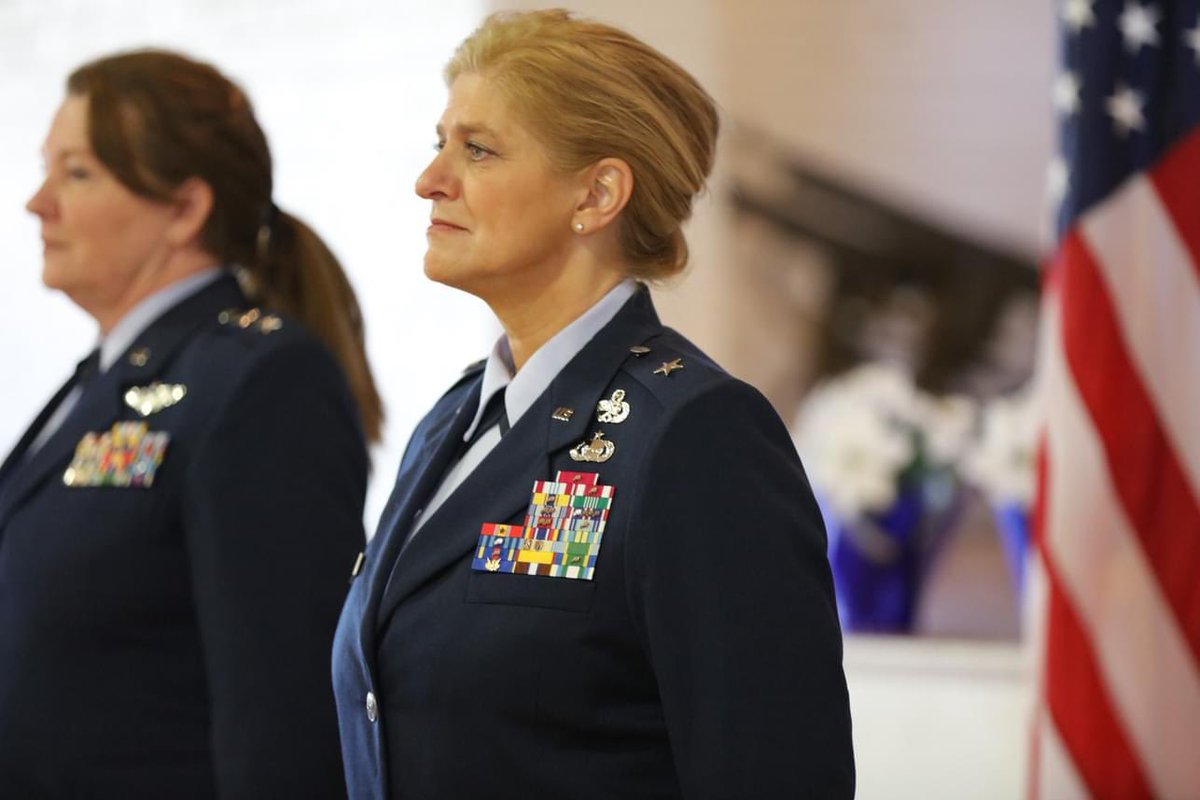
532,315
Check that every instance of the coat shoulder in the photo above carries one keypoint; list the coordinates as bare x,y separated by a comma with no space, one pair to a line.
269,353
674,371
237,338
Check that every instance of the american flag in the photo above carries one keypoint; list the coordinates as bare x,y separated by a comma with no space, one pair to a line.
1118,512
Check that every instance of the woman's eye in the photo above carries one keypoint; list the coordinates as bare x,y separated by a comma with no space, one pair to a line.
476,151
439,145
78,173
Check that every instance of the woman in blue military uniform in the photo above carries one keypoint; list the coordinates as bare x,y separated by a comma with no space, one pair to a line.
177,525
601,573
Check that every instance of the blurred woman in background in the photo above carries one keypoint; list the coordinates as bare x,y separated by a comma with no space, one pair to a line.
177,525
601,573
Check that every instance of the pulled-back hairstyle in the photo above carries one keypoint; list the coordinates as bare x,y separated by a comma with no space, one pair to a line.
156,119
590,91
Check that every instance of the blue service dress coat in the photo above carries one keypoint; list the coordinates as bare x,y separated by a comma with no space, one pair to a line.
701,660
172,640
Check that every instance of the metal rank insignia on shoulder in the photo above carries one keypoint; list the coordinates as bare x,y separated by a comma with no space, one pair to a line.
147,400
614,410
251,318
562,532
126,456
597,451
669,366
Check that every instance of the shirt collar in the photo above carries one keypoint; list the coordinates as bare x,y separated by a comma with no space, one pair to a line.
138,318
527,385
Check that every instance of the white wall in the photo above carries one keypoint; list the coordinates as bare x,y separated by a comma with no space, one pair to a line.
940,105
348,92
938,720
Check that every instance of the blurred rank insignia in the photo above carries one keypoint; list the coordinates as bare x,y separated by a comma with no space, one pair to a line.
250,318
126,456
613,410
147,400
561,535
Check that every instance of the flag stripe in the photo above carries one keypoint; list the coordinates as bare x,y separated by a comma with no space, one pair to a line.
1146,476
1056,778
1081,711
1046,759
1077,702
1175,179
1154,282
1143,658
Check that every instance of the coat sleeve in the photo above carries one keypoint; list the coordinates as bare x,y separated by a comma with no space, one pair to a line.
273,520
733,598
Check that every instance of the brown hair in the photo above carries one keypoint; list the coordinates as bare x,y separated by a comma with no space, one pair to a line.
591,91
155,119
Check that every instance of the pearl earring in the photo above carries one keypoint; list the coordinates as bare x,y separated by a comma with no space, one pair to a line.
579,227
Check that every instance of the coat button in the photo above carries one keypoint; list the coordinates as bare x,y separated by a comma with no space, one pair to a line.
372,707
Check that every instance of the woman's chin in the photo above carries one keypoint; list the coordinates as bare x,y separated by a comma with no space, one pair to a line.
439,270
52,274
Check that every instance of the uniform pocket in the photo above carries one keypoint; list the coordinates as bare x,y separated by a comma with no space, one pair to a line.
538,591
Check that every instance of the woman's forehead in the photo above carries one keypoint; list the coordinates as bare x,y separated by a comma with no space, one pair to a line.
68,129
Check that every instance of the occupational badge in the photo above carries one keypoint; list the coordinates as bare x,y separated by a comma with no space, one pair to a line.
597,451
613,410
561,535
126,456
147,400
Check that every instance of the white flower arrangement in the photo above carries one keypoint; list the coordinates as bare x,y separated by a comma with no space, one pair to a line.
1001,463
859,434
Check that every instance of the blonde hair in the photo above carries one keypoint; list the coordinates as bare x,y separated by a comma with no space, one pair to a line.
590,91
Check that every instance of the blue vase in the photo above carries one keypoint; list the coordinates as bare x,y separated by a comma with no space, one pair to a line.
880,562
1012,522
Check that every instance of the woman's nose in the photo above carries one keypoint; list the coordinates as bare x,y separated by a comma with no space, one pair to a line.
435,180
41,203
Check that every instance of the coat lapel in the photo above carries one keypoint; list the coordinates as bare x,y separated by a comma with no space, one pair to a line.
501,486
18,452
103,403
417,480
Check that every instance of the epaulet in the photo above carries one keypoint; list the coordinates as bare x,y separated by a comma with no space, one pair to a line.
250,319
668,369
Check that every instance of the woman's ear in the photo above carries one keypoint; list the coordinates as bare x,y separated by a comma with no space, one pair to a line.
193,204
609,185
